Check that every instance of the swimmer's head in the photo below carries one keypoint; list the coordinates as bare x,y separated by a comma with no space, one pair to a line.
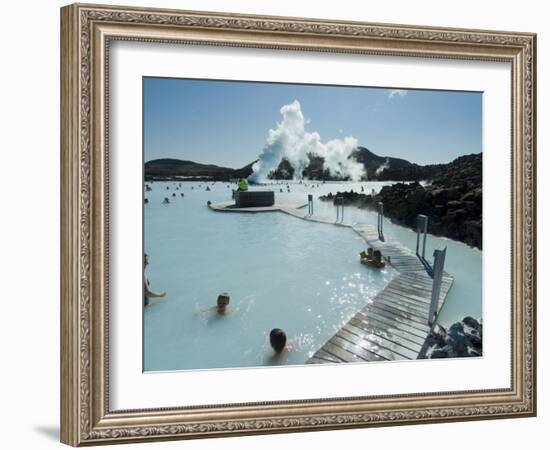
277,339
223,301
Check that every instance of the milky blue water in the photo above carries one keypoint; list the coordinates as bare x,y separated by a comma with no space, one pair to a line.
462,261
280,272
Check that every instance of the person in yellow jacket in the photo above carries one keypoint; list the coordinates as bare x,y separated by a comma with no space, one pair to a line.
242,185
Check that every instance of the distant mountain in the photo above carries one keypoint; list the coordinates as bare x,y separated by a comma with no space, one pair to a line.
374,163
377,168
381,168
169,168
374,166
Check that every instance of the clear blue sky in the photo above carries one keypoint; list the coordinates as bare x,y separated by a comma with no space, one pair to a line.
226,122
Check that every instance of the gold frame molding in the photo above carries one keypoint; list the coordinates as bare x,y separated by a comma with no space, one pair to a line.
86,31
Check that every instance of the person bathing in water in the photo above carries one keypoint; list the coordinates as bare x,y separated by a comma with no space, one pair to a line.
148,293
221,306
366,256
222,302
277,339
373,258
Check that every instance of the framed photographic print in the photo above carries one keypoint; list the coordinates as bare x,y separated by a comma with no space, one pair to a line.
280,224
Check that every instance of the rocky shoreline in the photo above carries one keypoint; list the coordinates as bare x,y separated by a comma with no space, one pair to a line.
453,201
464,338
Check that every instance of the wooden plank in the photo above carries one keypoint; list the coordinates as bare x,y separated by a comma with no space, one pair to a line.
404,267
321,354
366,351
410,295
417,279
406,296
401,300
401,259
398,283
410,263
341,353
413,320
391,321
358,336
407,266
411,288
398,254
420,310
423,276
405,337
315,360
318,359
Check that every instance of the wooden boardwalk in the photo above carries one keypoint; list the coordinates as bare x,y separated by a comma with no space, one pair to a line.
394,324
401,257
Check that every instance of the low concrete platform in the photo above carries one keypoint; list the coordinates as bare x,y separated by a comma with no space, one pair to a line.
232,207
253,199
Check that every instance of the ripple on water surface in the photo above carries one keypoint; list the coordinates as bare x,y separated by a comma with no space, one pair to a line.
281,272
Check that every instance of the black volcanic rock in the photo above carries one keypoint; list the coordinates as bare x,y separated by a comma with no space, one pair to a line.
453,201
462,339
414,172
284,171
314,171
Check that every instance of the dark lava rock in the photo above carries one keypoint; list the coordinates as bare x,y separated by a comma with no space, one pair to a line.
439,354
457,339
462,339
471,322
453,201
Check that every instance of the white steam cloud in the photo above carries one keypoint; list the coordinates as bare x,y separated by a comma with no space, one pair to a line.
291,141
383,166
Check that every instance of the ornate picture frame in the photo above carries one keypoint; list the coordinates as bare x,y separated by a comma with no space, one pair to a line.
87,32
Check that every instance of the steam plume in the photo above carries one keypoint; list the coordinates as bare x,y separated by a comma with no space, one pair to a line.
383,166
290,140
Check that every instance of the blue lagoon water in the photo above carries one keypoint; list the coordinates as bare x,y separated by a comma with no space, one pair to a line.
280,271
